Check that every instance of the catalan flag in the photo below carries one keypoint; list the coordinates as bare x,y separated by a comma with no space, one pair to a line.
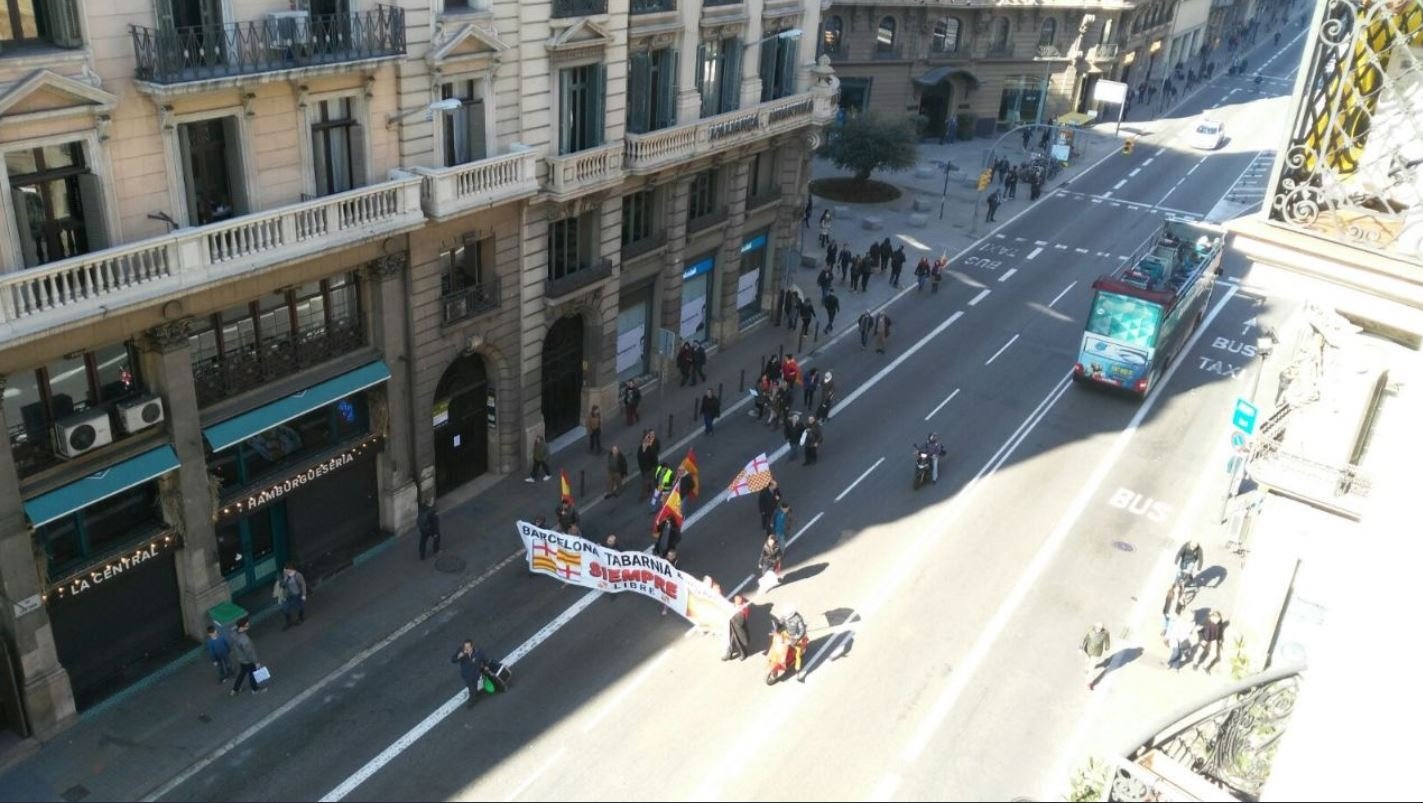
671,509
689,467
752,479
542,558
571,563
565,490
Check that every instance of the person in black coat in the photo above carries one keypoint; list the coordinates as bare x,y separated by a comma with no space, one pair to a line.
684,363
648,455
428,522
471,663
709,405
767,501
699,362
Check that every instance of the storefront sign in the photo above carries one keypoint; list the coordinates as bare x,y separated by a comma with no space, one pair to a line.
97,576
266,495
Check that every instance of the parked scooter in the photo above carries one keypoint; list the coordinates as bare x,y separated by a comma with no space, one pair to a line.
923,467
789,640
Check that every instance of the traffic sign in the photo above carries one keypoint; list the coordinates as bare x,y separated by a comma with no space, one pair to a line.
1243,418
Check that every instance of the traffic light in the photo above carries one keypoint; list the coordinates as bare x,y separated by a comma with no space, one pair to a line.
1127,146
984,179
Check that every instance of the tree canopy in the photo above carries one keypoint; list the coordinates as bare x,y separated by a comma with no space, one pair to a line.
866,142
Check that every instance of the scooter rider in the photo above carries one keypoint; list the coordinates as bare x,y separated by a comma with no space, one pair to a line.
790,623
934,448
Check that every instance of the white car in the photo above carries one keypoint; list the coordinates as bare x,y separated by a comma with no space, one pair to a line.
1208,135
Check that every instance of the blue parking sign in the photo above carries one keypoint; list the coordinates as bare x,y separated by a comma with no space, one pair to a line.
1244,416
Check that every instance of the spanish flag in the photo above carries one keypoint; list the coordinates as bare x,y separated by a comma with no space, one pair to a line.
671,509
565,490
689,467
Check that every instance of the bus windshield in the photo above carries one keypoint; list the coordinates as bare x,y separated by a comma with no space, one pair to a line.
1132,321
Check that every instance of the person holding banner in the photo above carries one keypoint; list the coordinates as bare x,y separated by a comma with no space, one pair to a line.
738,634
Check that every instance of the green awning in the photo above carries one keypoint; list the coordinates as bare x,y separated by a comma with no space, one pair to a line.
945,72
233,430
100,485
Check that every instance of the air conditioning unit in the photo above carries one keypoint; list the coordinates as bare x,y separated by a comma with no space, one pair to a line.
291,27
140,412
82,433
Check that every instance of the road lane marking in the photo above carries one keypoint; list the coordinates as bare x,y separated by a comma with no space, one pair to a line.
1148,161
1133,173
1193,168
1059,246
828,648
1059,296
534,776
857,481
1001,236
1034,252
941,404
1159,151
993,629
1020,239
1001,350
1039,242
982,294
1119,184
1080,250
1006,274
1108,194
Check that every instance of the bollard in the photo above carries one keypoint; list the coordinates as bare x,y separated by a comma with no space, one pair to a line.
695,400
582,489
741,383
800,342
817,332
780,353
669,425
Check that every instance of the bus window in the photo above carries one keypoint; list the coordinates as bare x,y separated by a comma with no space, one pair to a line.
1125,319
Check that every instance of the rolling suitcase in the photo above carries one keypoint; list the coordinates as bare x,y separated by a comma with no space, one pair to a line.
499,675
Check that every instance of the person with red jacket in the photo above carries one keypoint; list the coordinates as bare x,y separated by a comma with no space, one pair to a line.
790,370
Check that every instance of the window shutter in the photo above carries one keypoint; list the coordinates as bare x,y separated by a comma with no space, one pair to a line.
639,71
474,126
789,67
20,203
96,224
668,107
769,56
185,158
236,177
64,23
731,78
163,13
702,78
565,111
597,75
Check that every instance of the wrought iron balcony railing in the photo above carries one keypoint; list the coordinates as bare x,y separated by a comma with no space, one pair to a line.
578,8
469,302
276,358
203,52
651,6
1353,168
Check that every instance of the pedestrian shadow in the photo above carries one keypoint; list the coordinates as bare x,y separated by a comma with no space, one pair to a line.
802,573
838,616
1118,659
1212,577
811,651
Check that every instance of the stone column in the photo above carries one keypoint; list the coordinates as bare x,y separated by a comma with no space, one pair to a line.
671,280
726,323
389,325
48,699
189,500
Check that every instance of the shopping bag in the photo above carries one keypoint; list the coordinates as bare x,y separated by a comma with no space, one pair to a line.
262,675
488,684
767,581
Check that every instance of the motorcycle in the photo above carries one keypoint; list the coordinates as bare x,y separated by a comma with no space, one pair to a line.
783,655
923,467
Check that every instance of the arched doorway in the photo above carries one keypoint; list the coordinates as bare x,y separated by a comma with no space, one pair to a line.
935,103
461,417
562,375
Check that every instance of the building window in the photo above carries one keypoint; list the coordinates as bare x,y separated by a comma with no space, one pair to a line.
702,202
1047,32
719,75
652,90
778,67
334,141
34,400
211,155
581,105
640,218
855,94
92,533
834,35
39,22
57,203
463,127
762,185
1022,99
272,450
1108,28
570,246
471,264
946,35
276,335
1000,35
884,38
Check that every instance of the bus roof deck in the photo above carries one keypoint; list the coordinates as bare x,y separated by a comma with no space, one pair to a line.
1166,263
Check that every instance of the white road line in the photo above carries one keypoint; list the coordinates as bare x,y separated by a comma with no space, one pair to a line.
1006,274
1133,173
1034,252
1108,194
828,648
1001,236
1080,250
1114,203
1059,246
1060,295
804,527
1148,161
982,294
1159,151
1039,242
941,404
534,776
1096,200
1020,239
1103,254
993,629
884,790
1119,184
858,479
1122,257
1193,168
1001,350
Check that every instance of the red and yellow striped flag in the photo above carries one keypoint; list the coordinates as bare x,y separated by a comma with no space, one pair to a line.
565,490
689,467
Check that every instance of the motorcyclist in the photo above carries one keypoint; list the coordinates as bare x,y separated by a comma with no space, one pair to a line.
789,624
1188,559
934,448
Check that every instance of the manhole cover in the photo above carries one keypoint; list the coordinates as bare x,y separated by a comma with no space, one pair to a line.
1124,546
74,794
205,719
449,564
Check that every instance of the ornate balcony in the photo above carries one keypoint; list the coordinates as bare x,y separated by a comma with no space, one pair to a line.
574,174
277,44
1353,168
470,302
647,153
63,294
450,191
278,357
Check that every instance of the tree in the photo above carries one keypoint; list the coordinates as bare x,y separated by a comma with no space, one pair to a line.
866,142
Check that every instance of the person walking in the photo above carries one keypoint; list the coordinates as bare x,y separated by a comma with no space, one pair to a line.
866,323
1211,635
246,654
595,430
874,255
921,274
825,228
738,643
1175,601
1027,135
810,382
845,259
427,521
831,302
471,663
867,269
792,430
809,207
566,515
538,459
790,307
290,593
1179,634
709,405
649,454
632,397
220,651
992,206
790,370
1096,646
1189,559
896,266
824,280
1035,188
886,253
766,503
827,396
831,252
699,361
814,437
781,523
882,325
807,314
772,555
684,363
1011,185
617,471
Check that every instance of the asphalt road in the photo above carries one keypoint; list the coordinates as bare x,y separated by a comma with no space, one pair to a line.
945,621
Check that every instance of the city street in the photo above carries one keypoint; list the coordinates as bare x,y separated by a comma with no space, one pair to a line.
945,622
